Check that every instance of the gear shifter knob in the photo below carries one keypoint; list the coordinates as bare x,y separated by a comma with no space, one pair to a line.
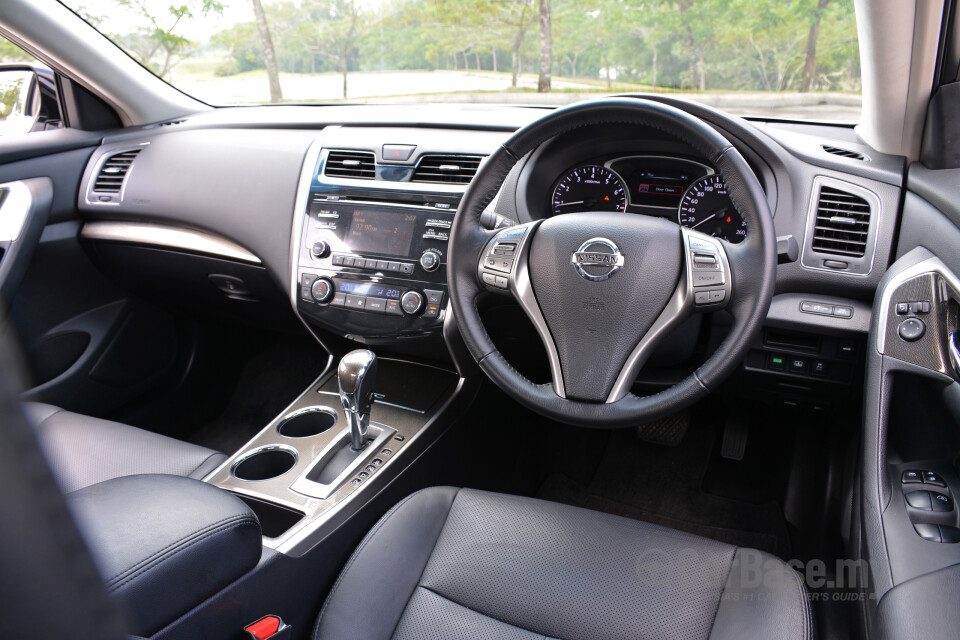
356,376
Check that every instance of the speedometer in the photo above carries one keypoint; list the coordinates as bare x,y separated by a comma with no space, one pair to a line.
707,208
589,188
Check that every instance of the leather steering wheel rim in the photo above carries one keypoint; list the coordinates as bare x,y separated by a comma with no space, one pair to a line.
752,263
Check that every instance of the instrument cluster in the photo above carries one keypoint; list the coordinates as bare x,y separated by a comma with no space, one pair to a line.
689,192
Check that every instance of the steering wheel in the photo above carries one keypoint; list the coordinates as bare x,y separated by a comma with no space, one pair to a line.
602,289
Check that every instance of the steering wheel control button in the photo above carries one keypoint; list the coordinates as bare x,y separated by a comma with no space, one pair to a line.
941,502
928,531
911,329
322,290
929,477
707,278
501,282
497,263
489,278
911,476
411,302
430,261
701,297
705,261
819,308
919,500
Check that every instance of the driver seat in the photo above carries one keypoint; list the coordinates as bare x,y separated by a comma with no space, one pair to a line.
452,564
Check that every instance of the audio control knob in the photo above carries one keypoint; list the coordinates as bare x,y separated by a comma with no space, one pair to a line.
320,249
430,260
322,289
411,302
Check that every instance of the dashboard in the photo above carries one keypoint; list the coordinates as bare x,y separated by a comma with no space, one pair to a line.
347,211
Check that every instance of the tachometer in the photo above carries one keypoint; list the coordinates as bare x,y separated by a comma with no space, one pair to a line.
589,188
707,208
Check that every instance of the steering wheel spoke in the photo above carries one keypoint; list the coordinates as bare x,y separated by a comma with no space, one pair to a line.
504,269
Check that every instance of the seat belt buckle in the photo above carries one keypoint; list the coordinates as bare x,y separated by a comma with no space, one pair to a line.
269,627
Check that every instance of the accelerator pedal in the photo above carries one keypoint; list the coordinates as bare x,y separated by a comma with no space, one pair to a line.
735,432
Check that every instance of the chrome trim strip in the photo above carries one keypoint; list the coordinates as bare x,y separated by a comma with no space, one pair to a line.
14,209
165,236
806,249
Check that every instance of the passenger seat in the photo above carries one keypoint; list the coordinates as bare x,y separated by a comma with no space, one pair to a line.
82,451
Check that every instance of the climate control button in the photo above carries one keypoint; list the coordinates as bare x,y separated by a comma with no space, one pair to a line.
322,290
411,302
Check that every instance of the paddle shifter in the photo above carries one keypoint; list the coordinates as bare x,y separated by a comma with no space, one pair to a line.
356,375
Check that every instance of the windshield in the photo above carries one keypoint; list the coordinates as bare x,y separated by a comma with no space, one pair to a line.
794,59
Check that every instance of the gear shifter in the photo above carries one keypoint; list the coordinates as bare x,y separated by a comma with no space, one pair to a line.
356,376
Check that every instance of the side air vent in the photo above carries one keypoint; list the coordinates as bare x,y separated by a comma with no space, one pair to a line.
114,171
843,223
454,169
360,165
843,153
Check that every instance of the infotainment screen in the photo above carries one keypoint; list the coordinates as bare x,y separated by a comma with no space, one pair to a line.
381,231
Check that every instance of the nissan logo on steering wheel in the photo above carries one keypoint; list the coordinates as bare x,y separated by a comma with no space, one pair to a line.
597,259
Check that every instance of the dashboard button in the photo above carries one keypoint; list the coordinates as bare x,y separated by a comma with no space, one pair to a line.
818,368
339,300
383,265
911,476
392,308
370,263
338,259
911,329
320,249
941,502
430,260
927,531
376,305
398,152
306,282
919,500
355,302
777,362
842,312
433,296
406,267
432,311
818,308
393,267
797,365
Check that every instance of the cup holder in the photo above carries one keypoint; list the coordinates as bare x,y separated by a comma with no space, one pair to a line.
264,464
308,422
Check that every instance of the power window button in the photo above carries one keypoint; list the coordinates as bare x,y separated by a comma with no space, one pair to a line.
929,477
941,502
919,500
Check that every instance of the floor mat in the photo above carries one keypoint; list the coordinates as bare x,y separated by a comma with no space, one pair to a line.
664,485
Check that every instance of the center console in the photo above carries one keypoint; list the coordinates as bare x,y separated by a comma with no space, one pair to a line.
372,227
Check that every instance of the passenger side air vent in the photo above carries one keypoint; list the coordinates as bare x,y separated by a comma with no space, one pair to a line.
114,171
842,224
455,169
360,165
843,153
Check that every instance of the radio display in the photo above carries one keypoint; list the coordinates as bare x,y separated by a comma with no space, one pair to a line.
366,289
381,231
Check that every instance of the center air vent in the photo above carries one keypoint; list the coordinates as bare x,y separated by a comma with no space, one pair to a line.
114,171
843,223
843,153
360,165
455,169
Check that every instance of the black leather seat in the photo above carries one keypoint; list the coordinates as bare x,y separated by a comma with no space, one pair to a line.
82,451
452,563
